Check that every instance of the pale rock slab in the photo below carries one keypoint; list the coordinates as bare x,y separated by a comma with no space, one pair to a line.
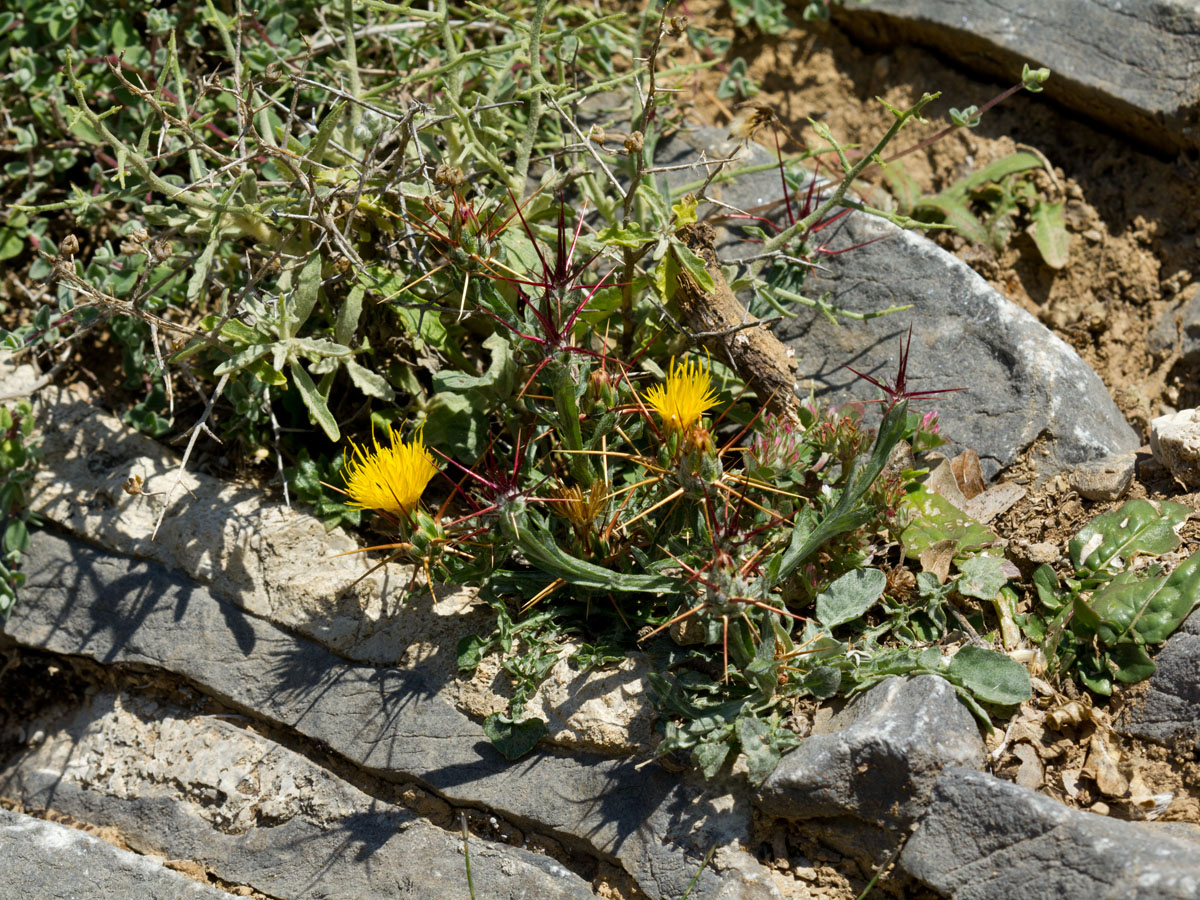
201,789
1175,443
51,861
392,723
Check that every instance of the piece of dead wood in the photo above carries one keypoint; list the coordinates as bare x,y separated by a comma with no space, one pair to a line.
727,331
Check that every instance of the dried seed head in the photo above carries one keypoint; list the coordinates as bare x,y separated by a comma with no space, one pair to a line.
755,118
69,246
676,25
634,143
272,73
341,265
597,135
449,176
133,485
160,250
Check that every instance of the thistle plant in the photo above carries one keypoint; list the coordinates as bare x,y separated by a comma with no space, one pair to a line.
318,249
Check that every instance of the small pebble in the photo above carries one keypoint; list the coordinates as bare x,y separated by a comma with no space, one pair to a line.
1043,552
1105,479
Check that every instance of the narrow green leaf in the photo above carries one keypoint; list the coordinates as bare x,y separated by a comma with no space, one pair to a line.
320,142
368,382
316,404
541,549
347,317
308,287
692,264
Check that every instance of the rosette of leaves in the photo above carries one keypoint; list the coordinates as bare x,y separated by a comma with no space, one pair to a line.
1100,622
270,345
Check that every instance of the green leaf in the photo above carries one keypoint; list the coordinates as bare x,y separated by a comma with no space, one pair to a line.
822,682
666,276
513,739
990,676
200,273
320,142
629,235
1130,663
539,546
453,424
850,596
491,388
692,264
982,577
762,756
1151,608
933,518
316,404
470,651
996,171
16,537
308,286
1049,232
348,316
1139,526
368,382
709,756
242,358
11,243
1045,581
684,211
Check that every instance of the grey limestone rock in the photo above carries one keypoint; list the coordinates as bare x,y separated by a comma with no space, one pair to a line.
1170,708
1132,64
1178,329
987,839
879,758
1022,383
1175,443
49,861
254,813
391,722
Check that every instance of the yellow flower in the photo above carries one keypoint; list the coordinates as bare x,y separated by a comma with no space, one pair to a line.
389,479
685,398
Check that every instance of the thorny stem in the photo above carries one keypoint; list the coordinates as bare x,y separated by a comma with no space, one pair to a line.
352,65
453,74
780,240
250,222
537,84
173,61
640,123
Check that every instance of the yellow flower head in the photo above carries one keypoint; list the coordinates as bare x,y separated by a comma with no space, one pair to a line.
389,479
685,397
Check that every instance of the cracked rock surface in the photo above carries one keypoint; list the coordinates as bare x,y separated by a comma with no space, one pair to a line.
253,813
388,722
987,839
1170,708
45,859
880,756
1132,64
